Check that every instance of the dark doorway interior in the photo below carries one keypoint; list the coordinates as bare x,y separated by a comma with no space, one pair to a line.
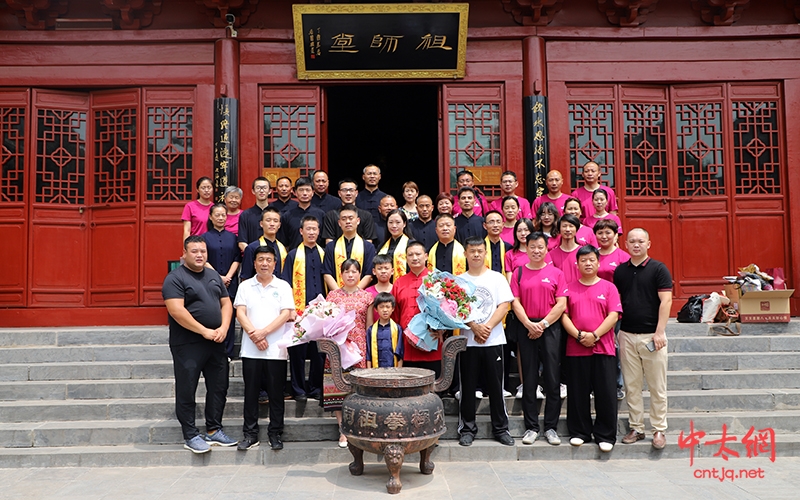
392,126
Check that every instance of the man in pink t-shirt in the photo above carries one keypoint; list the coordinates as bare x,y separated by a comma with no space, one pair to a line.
509,184
593,306
554,182
539,293
591,181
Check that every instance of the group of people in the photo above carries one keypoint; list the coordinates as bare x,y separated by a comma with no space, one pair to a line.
554,290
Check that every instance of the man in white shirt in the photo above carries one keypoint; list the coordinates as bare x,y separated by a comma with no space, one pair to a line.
485,340
263,306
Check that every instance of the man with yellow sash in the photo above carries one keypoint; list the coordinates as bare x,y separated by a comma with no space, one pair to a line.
385,337
270,224
447,254
348,246
303,270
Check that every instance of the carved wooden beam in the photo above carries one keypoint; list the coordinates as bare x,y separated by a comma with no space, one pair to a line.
216,10
720,12
532,12
626,12
131,14
38,14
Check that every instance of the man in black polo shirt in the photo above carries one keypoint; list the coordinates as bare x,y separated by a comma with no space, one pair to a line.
423,227
250,219
321,199
645,287
291,219
371,196
199,314
467,222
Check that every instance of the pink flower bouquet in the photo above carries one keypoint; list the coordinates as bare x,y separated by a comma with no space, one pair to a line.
325,320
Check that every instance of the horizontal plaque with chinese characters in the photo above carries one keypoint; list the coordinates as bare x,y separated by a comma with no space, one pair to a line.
380,41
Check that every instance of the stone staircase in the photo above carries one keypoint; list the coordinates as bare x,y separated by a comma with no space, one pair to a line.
105,397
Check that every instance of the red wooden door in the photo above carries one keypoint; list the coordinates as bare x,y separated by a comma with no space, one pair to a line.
58,235
14,194
113,210
701,167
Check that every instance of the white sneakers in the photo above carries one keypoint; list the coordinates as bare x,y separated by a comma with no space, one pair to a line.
563,390
576,441
552,437
606,447
529,437
519,392
539,392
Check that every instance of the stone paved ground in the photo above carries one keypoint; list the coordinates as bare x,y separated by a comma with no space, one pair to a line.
672,479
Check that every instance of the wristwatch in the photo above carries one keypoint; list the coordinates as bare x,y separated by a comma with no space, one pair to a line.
545,323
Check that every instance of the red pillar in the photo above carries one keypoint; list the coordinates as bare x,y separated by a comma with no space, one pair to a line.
226,68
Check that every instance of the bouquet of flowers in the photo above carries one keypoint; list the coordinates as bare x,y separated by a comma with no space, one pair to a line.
445,304
324,320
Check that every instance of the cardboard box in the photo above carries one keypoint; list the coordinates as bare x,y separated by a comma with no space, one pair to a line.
765,307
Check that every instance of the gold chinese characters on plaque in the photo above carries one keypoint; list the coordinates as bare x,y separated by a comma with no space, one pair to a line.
361,41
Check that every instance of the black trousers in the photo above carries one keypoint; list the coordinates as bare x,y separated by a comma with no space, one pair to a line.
586,374
257,372
546,349
189,361
485,363
297,368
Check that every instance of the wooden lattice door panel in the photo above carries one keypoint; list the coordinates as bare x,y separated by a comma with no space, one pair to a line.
168,133
58,223
14,126
474,130
114,211
289,131
758,176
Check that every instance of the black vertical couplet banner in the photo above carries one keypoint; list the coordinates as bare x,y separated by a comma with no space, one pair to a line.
226,144
537,159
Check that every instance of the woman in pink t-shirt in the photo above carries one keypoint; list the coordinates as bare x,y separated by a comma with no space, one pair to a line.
565,254
611,256
593,306
510,208
546,217
233,203
195,213
517,256
600,202
584,236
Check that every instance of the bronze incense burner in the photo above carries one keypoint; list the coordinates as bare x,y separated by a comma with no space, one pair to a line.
393,411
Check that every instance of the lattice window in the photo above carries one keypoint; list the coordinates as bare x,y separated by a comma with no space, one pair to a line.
60,156
645,147
591,138
474,140
115,156
290,137
699,143
756,148
169,153
12,154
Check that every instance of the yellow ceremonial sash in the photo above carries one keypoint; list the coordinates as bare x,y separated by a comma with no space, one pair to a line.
281,248
299,277
459,258
488,259
374,343
399,257
340,255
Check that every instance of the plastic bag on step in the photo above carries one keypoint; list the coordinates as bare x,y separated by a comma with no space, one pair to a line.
711,306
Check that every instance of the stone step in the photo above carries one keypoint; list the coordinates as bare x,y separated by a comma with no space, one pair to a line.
675,329
700,361
68,354
311,453
734,379
717,344
308,429
95,370
114,335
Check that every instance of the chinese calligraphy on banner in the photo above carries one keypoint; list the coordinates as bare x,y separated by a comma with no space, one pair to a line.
536,154
380,41
226,134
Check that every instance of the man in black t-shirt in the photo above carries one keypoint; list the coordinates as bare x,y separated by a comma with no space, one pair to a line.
645,287
200,312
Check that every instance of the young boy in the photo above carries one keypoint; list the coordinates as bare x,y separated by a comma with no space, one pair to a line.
385,337
382,269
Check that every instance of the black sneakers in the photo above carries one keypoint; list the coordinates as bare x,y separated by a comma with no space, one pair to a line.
275,442
247,442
